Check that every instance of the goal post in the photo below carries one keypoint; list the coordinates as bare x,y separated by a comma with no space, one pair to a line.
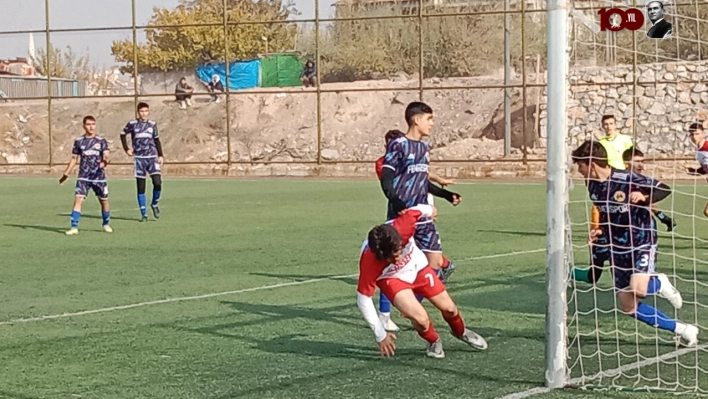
556,194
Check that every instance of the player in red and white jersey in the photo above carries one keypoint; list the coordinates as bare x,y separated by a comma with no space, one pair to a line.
391,260
698,136
447,266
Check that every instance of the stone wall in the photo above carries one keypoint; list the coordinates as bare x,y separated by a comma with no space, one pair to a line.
662,104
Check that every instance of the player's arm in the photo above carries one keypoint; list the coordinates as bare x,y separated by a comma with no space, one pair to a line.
105,155
158,144
72,163
440,192
647,190
433,177
124,139
405,223
392,160
364,300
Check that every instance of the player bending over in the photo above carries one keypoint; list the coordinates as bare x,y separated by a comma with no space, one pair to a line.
624,200
147,154
94,154
384,303
391,260
405,182
698,136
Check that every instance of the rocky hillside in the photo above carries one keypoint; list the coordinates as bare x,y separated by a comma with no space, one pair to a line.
279,126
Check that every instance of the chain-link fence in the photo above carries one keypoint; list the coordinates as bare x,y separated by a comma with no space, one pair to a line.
479,64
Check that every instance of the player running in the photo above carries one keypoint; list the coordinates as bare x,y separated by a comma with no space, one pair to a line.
384,303
391,260
405,182
600,251
624,200
94,154
148,157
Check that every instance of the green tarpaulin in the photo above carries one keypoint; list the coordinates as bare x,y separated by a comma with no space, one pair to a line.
280,70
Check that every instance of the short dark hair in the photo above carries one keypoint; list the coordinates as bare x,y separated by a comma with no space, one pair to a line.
88,118
392,135
384,241
416,108
143,105
630,153
606,117
590,151
695,126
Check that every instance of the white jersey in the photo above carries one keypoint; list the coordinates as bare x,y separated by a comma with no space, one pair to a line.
412,261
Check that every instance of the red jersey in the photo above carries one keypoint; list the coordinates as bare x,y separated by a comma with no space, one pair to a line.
379,166
412,260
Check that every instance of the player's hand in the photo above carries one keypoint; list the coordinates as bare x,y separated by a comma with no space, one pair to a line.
447,182
129,152
637,197
102,165
63,178
594,235
456,199
399,206
387,347
160,160
435,212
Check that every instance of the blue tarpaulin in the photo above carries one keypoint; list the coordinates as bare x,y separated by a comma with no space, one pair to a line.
242,74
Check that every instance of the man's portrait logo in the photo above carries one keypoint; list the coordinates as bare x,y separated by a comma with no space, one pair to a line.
616,19
619,196
660,27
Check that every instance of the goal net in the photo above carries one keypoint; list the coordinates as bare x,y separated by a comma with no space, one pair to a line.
655,89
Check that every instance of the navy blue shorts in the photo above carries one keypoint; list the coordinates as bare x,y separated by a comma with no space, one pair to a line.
427,237
146,166
638,261
100,188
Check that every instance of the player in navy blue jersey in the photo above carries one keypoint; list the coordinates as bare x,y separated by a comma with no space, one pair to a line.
405,182
624,200
94,154
148,157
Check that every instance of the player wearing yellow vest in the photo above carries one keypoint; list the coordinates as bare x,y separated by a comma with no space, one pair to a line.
615,143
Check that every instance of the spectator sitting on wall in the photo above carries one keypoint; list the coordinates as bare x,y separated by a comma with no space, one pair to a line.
214,86
183,93
309,74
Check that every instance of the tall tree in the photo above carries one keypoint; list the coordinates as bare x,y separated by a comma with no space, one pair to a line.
186,46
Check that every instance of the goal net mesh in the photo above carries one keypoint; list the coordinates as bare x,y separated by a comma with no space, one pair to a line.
655,88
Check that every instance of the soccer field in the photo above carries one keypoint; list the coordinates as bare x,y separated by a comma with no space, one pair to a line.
247,289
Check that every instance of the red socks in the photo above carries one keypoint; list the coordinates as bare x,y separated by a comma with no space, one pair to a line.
430,334
456,324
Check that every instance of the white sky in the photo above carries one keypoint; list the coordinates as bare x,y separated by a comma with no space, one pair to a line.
63,14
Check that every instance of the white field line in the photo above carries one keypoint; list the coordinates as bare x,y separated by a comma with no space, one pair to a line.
608,373
216,294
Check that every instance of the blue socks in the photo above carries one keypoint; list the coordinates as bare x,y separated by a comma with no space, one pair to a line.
654,317
384,304
654,285
75,216
142,203
106,217
155,197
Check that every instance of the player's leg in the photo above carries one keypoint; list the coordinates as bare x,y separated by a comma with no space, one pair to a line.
635,280
599,255
140,176
81,191
663,218
705,210
410,308
156,192
429,286
101,191
428,240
